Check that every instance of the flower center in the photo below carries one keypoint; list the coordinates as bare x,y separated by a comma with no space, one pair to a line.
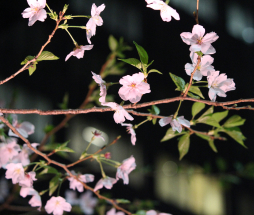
199,67
199,40
164,8
133,85
35,9
17,171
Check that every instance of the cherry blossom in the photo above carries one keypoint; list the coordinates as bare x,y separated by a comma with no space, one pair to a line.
8,150
203,67
98,134
57,205
166,11
74,183
87,202
28,179
107,155
175,123
153,212
130,131
24,128
94,21
35,201
15,172
103,89
112,211
133,87
71,197
198,41
123,171
79,51
35,12
219,84
120,113
23,156
107,182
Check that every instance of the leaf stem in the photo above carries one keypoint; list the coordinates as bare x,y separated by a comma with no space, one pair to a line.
75,43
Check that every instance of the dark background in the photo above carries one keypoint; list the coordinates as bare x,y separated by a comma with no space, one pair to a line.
231,20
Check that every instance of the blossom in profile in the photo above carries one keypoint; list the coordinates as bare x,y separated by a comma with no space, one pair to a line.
94,21
35,11
28,179
123,171
35,201
8,151
166,11
57,205
112,211
87,202
120,113
103,88
106,182
175,123
203,67
131,131
98,134
75,184
153,212
15,171
24,128
133,87
219,84
79,51
198,41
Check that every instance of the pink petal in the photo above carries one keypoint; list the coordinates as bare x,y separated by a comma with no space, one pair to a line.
164,121
198,30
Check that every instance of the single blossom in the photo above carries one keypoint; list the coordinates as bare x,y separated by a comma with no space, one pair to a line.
166,11
15,172
107,182
57,205
8,151
112,211
87,203
123,171
175,123
203,67
153,212
133,87
28,179
198,41
219,84
74,183
98,134
130,131
35,11
103,88
120,113
79,51
35,201
23,156
24,128
94,21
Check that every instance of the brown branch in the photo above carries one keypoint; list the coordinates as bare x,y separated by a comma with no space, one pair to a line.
26,66
196,15
63,166
72,112
204,133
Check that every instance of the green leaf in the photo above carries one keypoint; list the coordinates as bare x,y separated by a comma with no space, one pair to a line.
122,201
155,110
132,61
154,121
141,212
113,43
236,134
46,55
196,90
49,170
171,134
31,69
43,192
154,70
183,145
234,121
196,108
209,120
179,82
63,148
28,58
220,115
53,184
64,104
48,128
211,144
209,111
142,53
192,95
